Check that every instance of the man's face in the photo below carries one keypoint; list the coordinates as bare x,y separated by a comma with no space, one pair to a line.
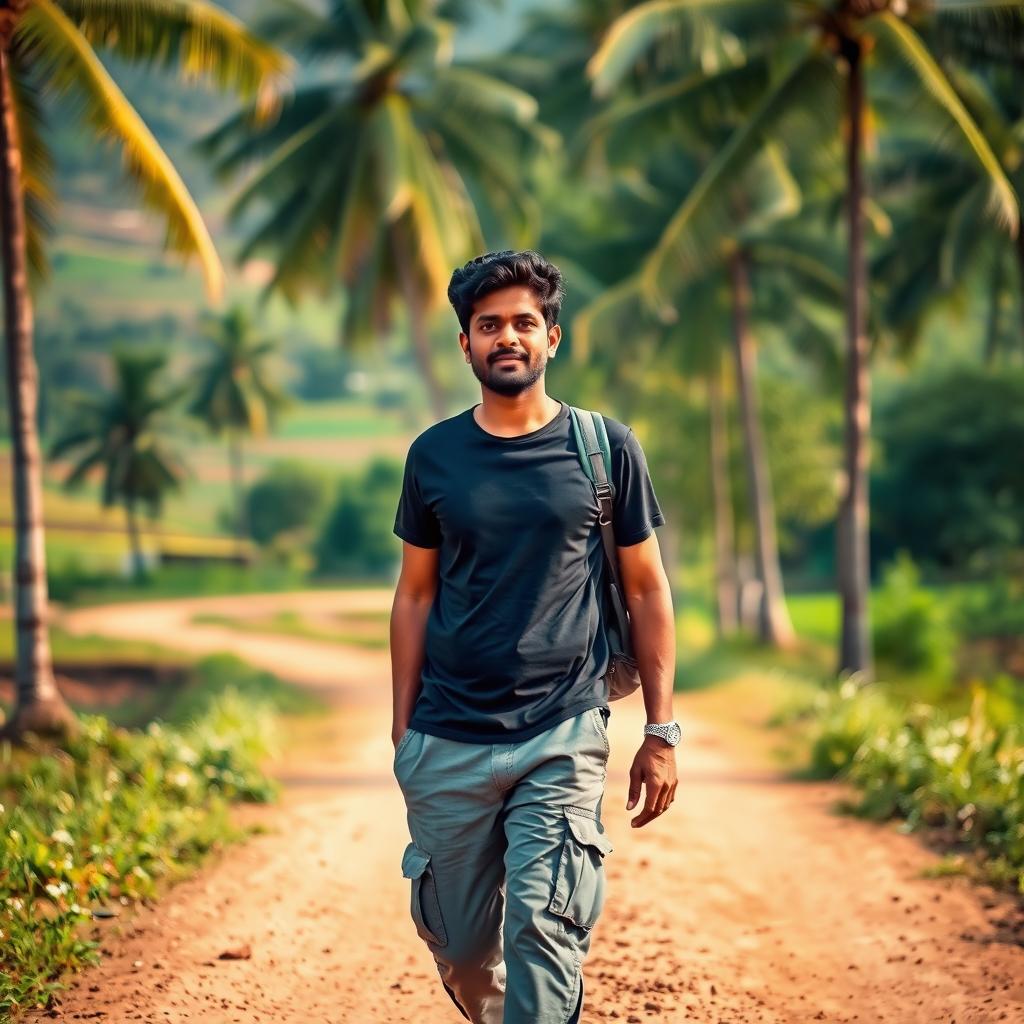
509,344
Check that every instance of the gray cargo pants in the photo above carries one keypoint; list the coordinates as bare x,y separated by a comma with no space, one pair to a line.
506,865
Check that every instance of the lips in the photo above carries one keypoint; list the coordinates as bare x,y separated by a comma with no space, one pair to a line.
510,359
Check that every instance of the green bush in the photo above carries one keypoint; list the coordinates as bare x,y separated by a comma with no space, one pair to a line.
962,773
291,496
357,538
946,486
995,610
105,820
912,628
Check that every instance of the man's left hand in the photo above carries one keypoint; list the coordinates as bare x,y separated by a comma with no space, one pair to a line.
654,767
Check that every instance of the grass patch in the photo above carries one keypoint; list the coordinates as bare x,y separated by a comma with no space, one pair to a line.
120,813
91,649
210,580
356,629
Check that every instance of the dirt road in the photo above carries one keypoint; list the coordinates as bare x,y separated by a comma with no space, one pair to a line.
749,901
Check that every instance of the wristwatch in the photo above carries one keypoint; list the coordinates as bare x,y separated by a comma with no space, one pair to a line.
668,731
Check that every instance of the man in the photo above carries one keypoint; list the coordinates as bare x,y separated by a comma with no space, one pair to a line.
498,660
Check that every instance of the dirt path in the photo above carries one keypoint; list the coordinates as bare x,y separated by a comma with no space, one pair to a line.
748,902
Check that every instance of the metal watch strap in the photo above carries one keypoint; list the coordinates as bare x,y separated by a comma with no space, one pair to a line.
661,729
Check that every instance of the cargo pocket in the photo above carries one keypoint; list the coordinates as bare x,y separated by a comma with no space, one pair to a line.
425,907
578,894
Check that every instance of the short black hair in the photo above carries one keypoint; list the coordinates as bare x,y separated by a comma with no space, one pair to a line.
496,270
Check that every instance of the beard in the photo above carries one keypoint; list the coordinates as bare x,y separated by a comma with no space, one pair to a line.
510,380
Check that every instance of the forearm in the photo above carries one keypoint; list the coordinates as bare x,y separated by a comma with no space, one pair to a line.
653,632
407,632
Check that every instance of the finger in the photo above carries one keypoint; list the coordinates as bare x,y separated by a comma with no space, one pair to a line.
664,801
635,781
650,807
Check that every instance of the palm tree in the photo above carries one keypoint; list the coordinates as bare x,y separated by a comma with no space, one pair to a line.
123,434
766,195
47,53
938,200
816,53
378,174
236,395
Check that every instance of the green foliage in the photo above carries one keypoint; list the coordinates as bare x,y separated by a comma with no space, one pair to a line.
375,174
236,390
107,820
291,496
995,610
54,60
358,537
801,428
87,587
225,673
911,627
124,434
964,774
945,488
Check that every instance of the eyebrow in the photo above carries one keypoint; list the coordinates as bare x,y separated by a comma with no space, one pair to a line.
488,317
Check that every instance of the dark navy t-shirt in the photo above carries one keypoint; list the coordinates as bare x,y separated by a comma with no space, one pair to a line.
514,643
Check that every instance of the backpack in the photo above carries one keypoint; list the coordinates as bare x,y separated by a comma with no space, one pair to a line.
596,459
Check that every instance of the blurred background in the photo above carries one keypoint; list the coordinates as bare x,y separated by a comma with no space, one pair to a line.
790,235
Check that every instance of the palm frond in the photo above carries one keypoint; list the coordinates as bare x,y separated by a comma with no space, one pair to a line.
68,63
616,312
1003,202
962,234
309,33
809,88
692,106
238,140
636,32
199,38
475,93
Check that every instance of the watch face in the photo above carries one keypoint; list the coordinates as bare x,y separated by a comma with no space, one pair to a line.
674,733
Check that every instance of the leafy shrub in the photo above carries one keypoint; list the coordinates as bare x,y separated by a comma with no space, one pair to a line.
995,610
357,538
912,628
290,496
107,819
945,488
962,773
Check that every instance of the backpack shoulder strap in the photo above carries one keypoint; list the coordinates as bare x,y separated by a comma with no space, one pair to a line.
591,439
595,455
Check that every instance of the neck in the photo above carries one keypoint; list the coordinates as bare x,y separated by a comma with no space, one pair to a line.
511,415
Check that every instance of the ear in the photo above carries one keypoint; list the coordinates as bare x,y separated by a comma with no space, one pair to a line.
464,344
554,337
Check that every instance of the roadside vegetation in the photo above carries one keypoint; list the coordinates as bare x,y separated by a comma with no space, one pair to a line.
118,813
935,739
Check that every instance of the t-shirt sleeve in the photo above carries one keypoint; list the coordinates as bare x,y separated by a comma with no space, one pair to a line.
415,521
635,510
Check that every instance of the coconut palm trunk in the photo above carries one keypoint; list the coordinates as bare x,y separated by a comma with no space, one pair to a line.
418,332
238,487
852,527
39,706
1019,243
774,624
721,501
135,540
